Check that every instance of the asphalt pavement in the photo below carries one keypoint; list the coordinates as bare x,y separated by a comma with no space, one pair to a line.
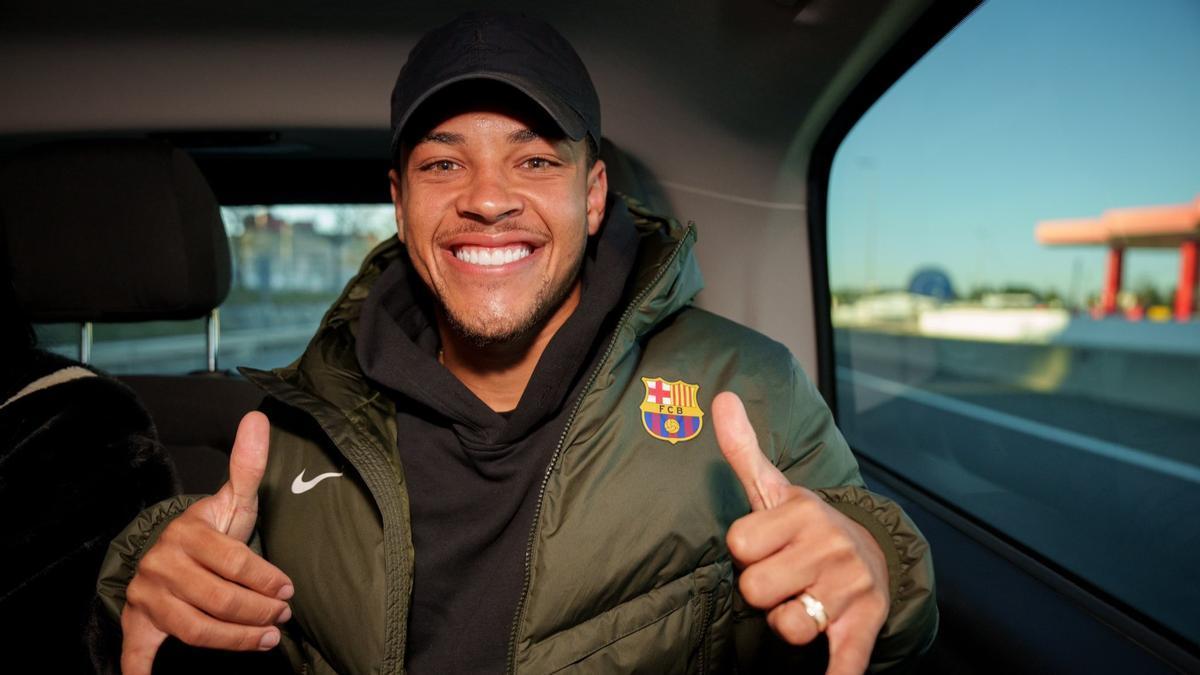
1109,492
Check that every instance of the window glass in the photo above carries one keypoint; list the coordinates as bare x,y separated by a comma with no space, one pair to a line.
289,263
1013,235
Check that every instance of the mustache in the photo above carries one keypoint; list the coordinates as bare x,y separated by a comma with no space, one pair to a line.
468,227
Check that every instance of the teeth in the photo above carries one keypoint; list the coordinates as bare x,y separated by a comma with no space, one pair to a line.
492,257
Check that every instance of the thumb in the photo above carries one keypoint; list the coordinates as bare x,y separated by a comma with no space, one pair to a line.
247,464
139,644
762,481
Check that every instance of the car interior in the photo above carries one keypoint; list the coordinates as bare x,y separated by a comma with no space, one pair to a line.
140,142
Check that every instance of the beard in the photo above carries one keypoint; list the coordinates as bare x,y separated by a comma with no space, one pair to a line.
485,325
493,326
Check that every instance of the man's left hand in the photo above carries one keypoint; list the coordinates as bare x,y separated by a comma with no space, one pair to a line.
794,543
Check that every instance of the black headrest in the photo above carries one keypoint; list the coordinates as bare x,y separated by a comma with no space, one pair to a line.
111,231
632,178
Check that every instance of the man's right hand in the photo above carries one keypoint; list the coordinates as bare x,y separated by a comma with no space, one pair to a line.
200,582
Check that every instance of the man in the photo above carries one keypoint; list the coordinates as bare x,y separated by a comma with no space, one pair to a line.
502,449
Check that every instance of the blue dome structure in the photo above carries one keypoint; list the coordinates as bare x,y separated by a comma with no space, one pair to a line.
932,282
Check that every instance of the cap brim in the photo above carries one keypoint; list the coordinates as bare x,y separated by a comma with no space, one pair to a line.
563,115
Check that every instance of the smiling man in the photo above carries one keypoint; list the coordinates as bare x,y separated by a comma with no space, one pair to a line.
504,449
495,206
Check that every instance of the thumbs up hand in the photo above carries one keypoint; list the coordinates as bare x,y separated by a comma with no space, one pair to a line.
793,544
199,581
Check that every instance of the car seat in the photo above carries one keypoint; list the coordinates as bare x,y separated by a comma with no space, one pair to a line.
125,231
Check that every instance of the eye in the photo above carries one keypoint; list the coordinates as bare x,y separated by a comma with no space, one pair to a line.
540,163
440,165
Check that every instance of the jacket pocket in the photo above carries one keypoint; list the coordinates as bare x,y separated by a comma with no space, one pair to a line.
666,630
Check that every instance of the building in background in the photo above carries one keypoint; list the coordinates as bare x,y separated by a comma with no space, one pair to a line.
1169,226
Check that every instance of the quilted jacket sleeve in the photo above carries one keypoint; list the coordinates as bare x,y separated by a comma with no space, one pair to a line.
814,454
126,550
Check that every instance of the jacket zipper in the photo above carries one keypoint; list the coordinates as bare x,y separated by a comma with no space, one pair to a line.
704,626
537,512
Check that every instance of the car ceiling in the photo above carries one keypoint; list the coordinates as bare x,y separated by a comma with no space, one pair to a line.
745,68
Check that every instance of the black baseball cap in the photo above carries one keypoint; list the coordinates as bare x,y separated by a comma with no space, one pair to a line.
524,53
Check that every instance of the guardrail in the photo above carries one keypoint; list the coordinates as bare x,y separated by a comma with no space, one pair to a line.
1098,367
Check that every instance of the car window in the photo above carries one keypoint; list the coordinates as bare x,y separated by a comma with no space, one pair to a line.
1012,242
289,263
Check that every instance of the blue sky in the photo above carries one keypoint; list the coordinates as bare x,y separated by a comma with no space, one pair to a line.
1027,111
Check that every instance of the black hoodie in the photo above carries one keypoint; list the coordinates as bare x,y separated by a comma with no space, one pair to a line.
472,473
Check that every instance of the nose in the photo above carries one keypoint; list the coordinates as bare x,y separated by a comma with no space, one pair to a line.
489,198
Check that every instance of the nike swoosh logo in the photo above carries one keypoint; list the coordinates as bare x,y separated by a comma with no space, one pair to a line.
300,486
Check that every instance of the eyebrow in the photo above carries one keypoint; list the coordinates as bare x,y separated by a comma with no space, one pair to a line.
451,138
523,136
443,137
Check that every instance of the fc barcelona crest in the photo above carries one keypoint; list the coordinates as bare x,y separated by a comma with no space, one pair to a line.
671,410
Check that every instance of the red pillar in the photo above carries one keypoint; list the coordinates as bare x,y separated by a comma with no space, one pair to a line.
1185,295
1112,281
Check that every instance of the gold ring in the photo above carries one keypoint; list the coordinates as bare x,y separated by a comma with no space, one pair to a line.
816,610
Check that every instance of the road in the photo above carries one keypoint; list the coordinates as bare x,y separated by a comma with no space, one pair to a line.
1109,491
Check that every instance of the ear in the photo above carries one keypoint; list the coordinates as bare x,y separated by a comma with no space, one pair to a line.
397,202
597,196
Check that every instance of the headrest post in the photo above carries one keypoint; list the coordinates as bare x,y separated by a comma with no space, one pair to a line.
85,342
213,338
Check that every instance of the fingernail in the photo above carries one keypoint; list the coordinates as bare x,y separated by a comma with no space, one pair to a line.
286,592
269,640
285,615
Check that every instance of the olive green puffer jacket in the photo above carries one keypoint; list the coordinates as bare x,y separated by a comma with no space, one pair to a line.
626,567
